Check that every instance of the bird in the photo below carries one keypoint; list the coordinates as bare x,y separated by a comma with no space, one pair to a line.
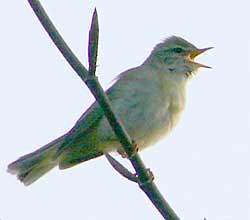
147,99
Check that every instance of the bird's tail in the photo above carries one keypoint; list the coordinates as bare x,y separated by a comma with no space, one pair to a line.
31,167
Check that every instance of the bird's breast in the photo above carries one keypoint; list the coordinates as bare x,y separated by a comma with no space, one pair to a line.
170,107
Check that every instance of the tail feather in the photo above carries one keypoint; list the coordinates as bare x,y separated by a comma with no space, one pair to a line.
31,167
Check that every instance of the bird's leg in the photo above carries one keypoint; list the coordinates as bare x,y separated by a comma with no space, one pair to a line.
134,151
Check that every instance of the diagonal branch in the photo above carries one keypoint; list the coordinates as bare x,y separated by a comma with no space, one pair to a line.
145,181
57,39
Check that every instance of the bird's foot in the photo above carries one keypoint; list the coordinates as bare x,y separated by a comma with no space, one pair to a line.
150,178
134,151
151,175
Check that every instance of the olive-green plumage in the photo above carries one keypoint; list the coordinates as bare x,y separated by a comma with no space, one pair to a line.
147,99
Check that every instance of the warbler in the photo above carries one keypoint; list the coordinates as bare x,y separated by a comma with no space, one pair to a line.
147,99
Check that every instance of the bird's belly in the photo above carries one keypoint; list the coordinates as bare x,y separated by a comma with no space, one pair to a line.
161,127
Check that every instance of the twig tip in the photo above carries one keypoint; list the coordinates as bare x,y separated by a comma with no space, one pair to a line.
95,15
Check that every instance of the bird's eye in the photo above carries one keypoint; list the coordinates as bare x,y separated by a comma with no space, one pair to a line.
177,50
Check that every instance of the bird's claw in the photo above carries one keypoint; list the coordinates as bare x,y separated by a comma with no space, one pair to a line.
124,154
149,180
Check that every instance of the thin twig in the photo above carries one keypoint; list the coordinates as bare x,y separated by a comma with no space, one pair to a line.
144,177
121,169
93,44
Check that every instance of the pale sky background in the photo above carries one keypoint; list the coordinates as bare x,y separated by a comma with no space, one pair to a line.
202,168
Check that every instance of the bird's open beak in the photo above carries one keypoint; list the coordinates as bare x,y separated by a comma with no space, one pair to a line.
197,52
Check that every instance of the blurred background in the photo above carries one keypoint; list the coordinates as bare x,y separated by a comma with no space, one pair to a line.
202,168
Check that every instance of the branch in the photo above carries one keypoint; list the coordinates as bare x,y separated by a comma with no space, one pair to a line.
121,169
145,181
93,44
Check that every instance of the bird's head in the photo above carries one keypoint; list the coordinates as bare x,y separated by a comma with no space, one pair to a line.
176,56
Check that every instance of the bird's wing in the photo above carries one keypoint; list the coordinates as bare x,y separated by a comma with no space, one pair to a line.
131,99
94,114
89,120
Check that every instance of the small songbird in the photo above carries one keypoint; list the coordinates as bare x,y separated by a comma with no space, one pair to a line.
148,100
